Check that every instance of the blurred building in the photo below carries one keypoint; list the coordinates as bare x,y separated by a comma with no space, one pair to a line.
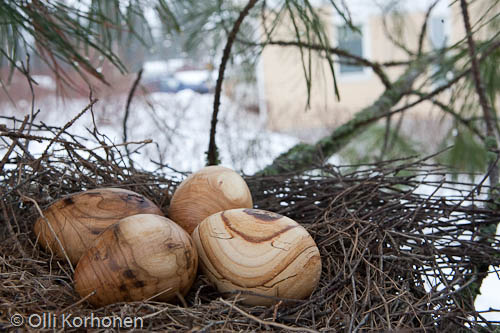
282,86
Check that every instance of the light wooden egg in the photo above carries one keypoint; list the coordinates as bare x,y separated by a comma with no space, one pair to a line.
208,191
79,218
135,259
258,251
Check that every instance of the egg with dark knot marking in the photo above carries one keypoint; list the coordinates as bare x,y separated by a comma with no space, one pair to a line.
257,251
72,223
140,257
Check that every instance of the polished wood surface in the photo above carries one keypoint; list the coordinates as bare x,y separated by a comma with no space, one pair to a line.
79,218
258,251
139,257
208,191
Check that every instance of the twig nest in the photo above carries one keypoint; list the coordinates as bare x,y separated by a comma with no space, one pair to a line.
139,257
258,251
208,191
79,218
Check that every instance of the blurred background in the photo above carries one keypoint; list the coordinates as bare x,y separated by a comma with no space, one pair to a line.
280,87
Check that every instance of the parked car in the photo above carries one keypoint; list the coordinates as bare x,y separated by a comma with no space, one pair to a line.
171,84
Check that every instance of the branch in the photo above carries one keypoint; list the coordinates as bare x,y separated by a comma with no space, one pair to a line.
127,111
391,38
424,27
450,83
14,142
212,155
376,67
481,268
305,156
268,323
445,108
478,84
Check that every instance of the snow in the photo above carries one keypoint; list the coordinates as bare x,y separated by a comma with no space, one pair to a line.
193,77
178,124
153,67
45,82
490,288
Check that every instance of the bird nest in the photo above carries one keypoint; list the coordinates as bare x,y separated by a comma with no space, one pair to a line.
401,244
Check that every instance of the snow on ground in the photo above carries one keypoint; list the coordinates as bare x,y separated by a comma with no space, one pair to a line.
194,76
490,288
178,124
45,81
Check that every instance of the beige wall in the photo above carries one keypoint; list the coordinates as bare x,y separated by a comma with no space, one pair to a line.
284,87
485,9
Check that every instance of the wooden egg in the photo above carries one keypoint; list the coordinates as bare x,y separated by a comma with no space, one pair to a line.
208,191
79,218
258,251
135,259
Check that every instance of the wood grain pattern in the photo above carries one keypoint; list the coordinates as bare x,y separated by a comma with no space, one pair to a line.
206,192
138,257
258,251
79,218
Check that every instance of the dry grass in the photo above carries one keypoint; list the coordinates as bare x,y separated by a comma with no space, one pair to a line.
381,242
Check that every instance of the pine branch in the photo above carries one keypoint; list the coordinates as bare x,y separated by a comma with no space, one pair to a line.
212,155
127,111
376,67
307,156
445,108
423,31
481,268
397,43
60,33
304,156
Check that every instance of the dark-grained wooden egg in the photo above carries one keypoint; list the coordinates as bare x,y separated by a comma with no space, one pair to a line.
135,259
79,218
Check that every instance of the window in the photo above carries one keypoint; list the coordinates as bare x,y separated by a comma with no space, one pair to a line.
437,32
353,42
438,38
